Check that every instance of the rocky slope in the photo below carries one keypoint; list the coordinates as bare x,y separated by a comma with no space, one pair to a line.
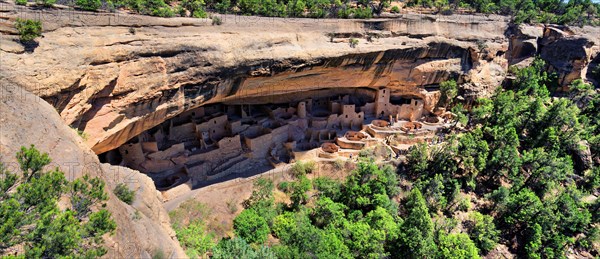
116,75
26,119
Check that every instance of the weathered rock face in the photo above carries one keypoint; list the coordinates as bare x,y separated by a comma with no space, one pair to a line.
26,119
567,51
114,83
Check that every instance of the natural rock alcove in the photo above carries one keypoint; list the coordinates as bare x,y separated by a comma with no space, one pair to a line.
119,90
215,142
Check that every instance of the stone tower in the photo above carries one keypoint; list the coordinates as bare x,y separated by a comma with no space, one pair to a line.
301,110
382,101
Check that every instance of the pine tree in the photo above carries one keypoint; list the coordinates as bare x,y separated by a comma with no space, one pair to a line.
416,240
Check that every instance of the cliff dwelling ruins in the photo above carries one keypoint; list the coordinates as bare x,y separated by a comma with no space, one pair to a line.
212,142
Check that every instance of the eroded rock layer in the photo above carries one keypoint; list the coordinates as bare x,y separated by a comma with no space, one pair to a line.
115,76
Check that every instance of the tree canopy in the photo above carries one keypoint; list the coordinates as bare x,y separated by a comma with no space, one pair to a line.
31,219
515,176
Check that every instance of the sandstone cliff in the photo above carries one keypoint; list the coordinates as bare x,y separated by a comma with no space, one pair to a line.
26,119
116,75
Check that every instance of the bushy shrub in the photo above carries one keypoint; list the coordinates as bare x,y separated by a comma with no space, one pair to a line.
317,13
28,29
200,13
302,168
297,8
216,20
261,200
344,12
136,215
239,248
298,191
46,3
110,6
395,9
362,13
422,3
353,42
21,2
89,5
195,7
339,164
158,254
124,194
483,231
284,226
232,206
251,227
283,186
223,6
456,246
195,239
366,153
449,91
163,12
446,11
328,187
82,134
464,204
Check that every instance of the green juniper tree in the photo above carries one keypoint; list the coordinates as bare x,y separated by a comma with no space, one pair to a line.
31,218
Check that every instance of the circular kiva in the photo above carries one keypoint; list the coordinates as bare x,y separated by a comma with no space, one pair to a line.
411,126
330,147
432,119
355,135
380,123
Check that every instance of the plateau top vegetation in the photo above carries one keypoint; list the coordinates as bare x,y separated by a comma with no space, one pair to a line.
572,12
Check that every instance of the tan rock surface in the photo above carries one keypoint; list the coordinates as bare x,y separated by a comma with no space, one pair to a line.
26,119
115,84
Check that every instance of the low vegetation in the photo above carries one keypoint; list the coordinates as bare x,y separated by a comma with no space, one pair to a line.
353,42
551,11
303,168
584,12
239,248
124,193
28,29
89,5
189,221
81,134
232,206
31,221
45,3
216,20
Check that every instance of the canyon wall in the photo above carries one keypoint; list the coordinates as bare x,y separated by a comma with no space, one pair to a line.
117,75
142,228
